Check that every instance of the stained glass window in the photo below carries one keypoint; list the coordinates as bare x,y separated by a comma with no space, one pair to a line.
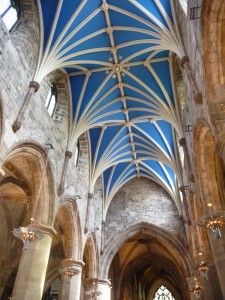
163,294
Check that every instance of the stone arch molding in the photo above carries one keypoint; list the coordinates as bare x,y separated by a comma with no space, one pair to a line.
43,181
91,255
213,33
208,165
68,223
173,245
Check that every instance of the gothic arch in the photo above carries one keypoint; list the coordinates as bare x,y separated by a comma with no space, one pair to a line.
90,257
208,166
68,225
213,34
167,284
30,162
165,238
26,187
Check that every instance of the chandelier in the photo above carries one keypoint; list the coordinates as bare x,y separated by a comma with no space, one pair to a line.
69,272
197,291
30,233
93,293
203,263
195,287
213,220
27,234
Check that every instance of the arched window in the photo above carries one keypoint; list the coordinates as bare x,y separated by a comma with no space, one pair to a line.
76,153
163,294
9,12
51,100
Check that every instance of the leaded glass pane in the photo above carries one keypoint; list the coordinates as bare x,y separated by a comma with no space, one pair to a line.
163,294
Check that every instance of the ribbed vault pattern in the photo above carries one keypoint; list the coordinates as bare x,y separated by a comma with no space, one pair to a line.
117,55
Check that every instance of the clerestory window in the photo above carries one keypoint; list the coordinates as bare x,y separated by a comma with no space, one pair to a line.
51,100
9,12
163,294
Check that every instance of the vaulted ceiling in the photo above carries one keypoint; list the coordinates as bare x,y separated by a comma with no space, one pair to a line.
117,54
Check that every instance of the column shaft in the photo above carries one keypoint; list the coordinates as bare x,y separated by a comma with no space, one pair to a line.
71,288
218,251
30,278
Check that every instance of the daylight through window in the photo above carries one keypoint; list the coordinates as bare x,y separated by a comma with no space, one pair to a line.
163,294
8,13
184,5
51,100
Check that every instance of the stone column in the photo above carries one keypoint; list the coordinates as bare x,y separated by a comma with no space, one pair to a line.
218,251
104,289
87,220
68,155
71,287
183,144
33,88
30,277
97,289
184,63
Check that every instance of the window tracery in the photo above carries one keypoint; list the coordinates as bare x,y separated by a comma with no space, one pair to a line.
163,294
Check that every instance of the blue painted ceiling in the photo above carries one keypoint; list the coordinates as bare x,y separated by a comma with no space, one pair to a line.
117,54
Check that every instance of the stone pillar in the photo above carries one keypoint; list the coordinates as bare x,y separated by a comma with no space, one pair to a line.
71,287
183,144
68,155
104,289
33,87
87,220
184,63
97,289
30,277
218,251
102,237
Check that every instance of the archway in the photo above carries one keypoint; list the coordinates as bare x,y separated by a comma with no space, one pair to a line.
208,167
145,248
26,191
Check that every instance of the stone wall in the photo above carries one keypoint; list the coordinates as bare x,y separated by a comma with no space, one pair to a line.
18,60
142,200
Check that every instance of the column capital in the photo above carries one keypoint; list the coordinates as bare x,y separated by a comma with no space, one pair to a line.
35,85
90,196
71,262
182,142
184,59
198,98
45,229
68,154
92,281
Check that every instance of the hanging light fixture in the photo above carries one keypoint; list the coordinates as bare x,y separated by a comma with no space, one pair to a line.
213,220
69,272
30,233
203,264
195,287
69,268
197,291
93,294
